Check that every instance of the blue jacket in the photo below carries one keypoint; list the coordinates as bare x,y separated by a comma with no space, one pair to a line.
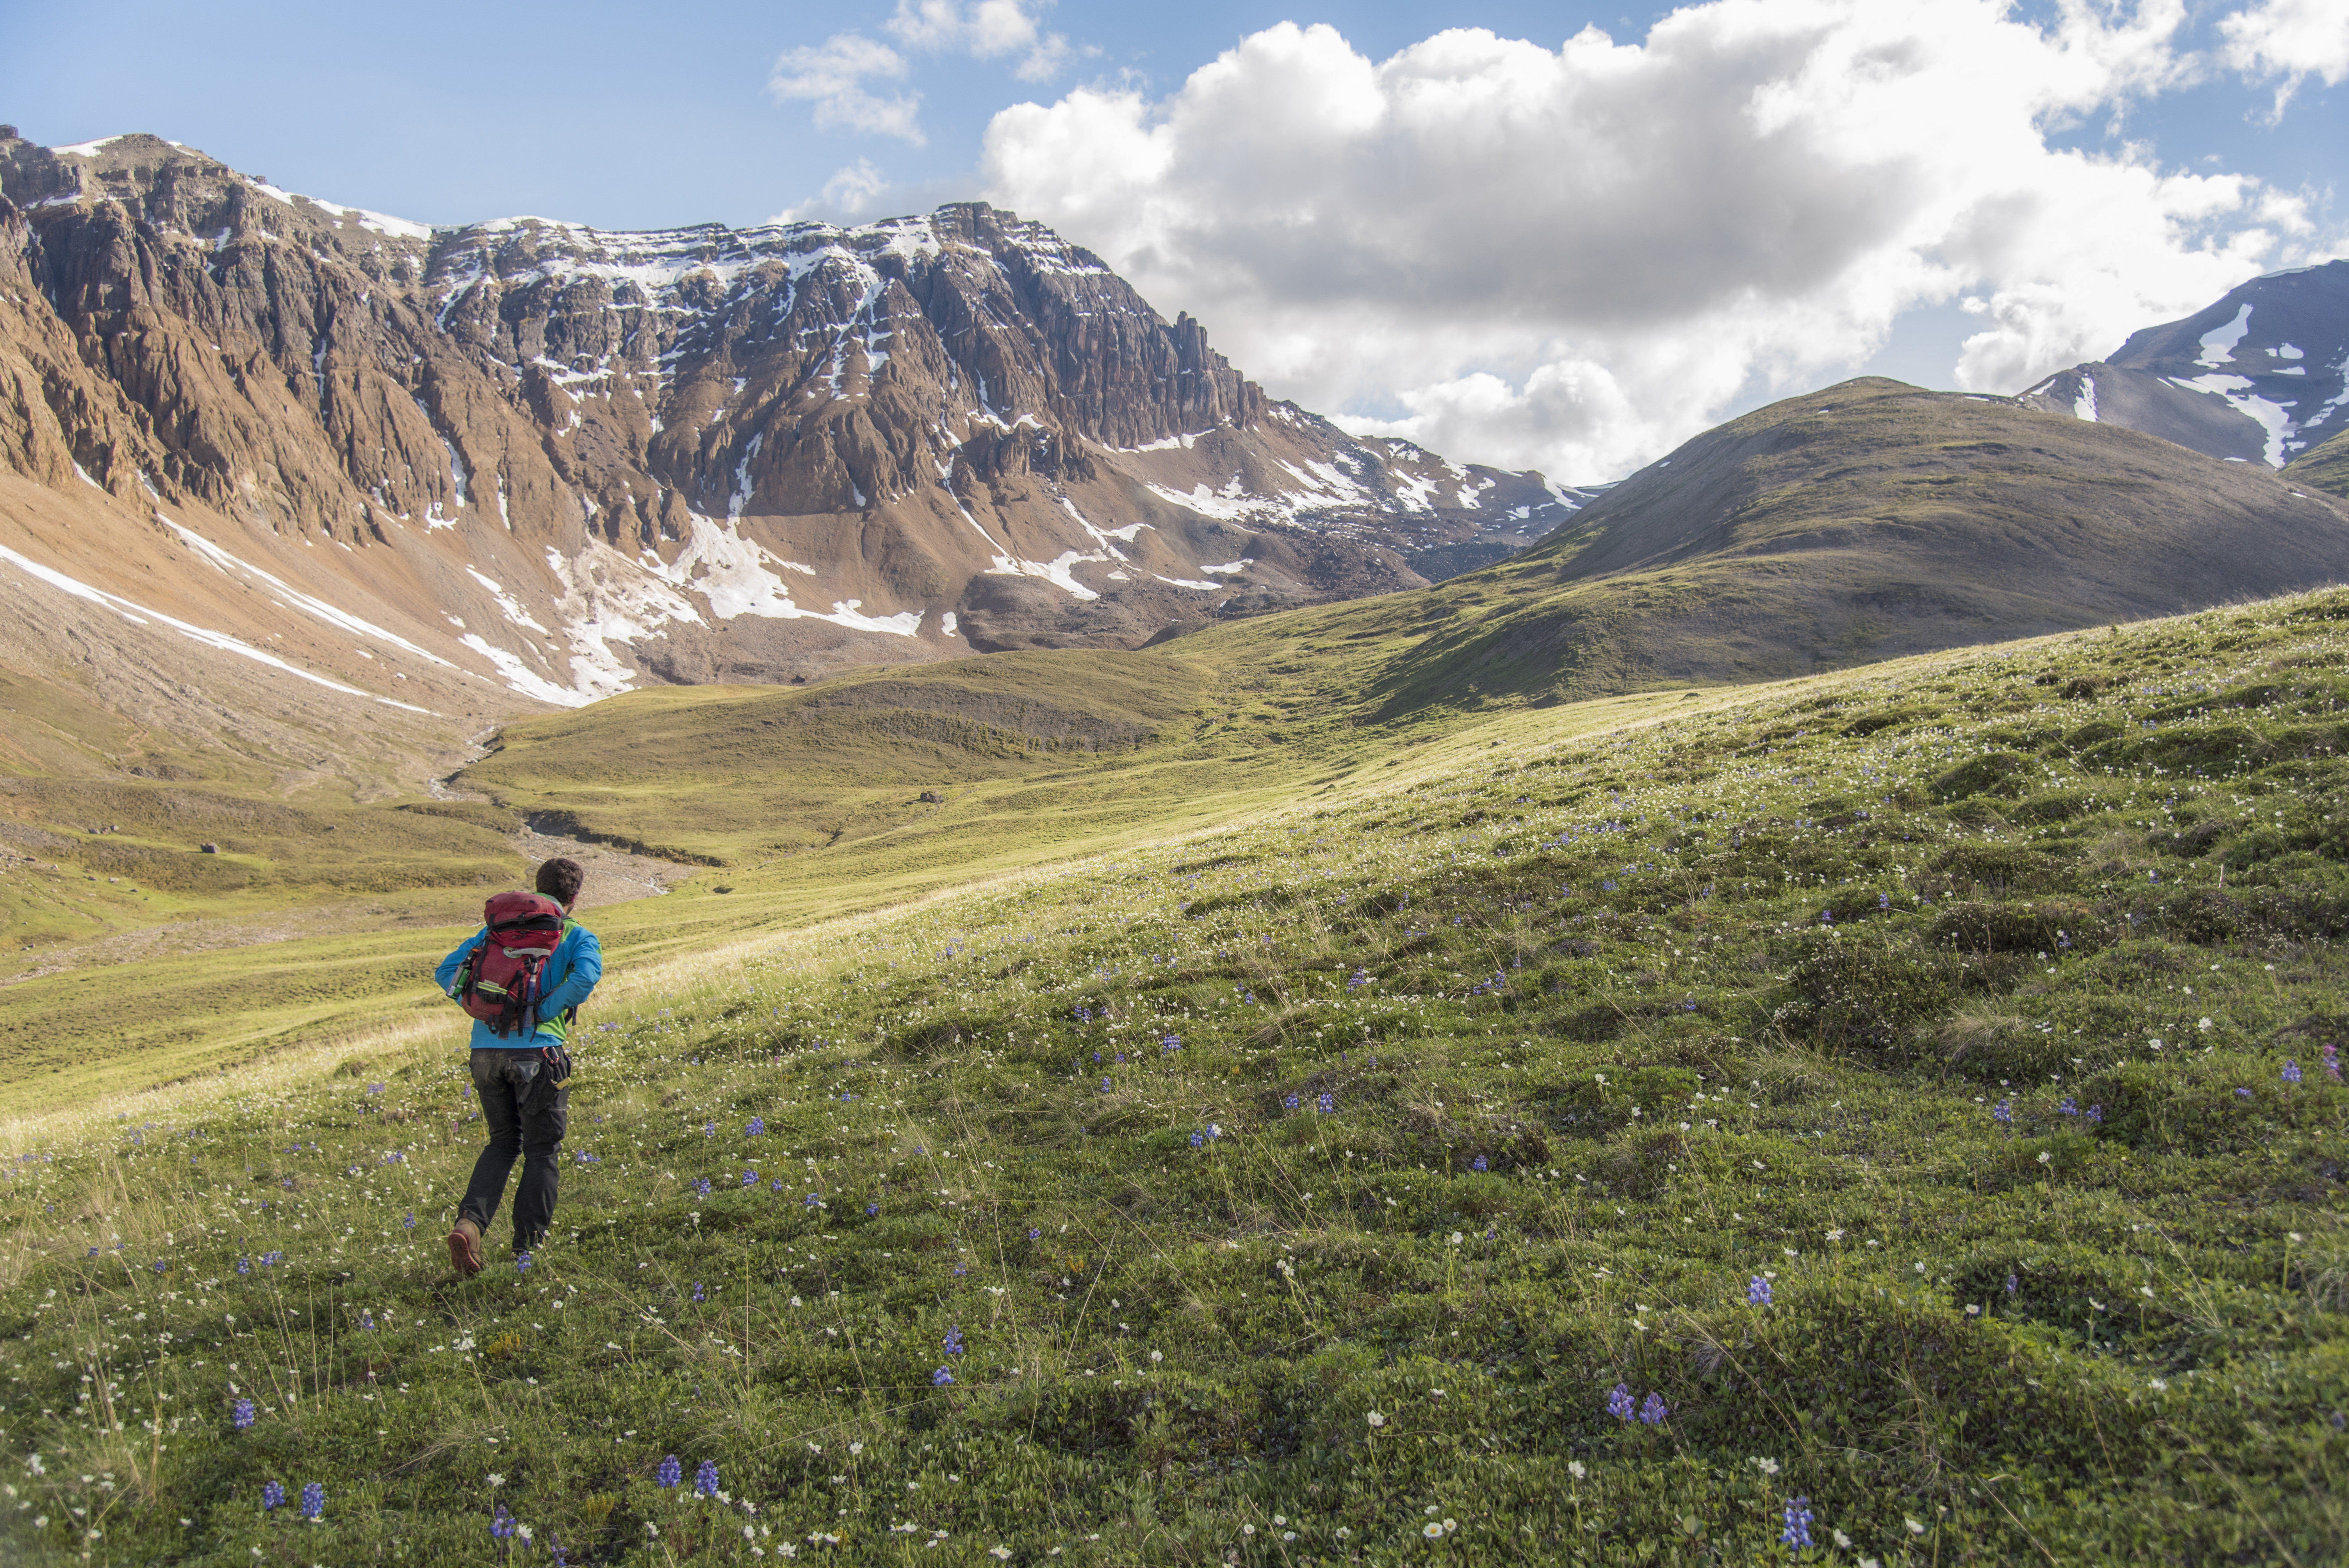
571,971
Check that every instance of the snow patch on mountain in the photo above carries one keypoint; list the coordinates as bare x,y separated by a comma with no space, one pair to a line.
608,598
2272,418
2218,343
139,615
731,572
343,620
507,603
519,676
1230,504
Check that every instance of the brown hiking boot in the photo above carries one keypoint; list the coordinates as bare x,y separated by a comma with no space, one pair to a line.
465,1248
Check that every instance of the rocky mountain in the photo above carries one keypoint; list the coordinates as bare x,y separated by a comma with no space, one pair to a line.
463,469
2257,377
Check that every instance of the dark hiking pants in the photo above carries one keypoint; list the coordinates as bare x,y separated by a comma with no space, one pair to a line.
527,1115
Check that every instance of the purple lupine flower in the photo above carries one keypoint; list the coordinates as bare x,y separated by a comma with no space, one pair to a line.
953,1341
1034,1234
273,1495
522,1262
366,1320
1652,1411
1198,1139
1171,1043
1105,1086
1289,1102
708,1129
1757,1292
812,1202
2010,1283
698,1295
750,1178
411,1220
702,1186
705,1477
1357,979
1618,1403
1884,900
242,1416
2067,1106
244,1265
758,1126
777,1184
2243,1094
2290,1072
502,1524
2097,1114
1797,1534
313,1501
670,1473
1329,1103
2004,1112
941,1377
2332,1061
1478,1164
871,1210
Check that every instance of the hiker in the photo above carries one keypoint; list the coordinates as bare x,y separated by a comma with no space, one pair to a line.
522,977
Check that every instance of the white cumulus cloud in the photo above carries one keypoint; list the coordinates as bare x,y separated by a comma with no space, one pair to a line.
988,30
1575,258
835,75
2294,39
832,75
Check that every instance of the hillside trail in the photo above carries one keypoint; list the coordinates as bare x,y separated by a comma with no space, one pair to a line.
614,876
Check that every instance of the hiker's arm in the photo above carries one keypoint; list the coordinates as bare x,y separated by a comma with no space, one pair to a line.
587,968
446,975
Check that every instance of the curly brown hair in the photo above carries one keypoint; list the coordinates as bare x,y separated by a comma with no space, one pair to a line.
561,880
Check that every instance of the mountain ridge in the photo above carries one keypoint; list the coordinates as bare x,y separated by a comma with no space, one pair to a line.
1863,522
578,460
2259,375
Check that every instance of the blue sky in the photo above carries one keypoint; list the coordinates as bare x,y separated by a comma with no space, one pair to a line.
624,116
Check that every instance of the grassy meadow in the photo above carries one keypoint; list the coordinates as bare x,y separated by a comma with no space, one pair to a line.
1889,1118
320,918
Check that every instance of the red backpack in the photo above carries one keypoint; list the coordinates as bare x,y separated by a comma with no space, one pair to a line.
504,978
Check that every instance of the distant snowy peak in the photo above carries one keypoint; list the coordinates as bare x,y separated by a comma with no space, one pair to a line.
2259,376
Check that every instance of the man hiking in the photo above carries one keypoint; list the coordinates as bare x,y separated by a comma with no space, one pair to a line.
522,977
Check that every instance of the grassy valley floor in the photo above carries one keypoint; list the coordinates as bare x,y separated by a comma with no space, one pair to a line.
1892,1118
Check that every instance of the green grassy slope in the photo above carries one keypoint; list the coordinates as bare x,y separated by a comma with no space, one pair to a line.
2326,468
1013,800
1905,1094
738,775
321,904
